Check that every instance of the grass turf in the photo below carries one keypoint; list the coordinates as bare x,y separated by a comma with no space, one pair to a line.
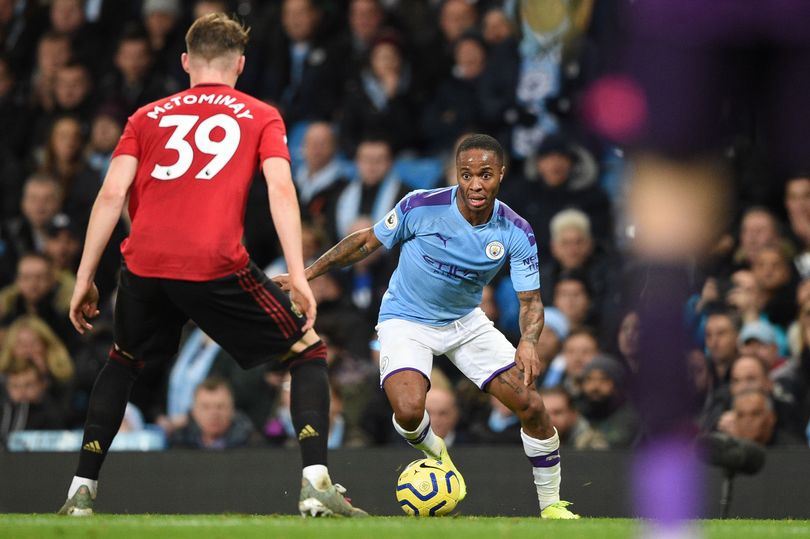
19,526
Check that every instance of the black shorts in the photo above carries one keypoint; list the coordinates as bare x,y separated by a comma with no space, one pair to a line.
245,312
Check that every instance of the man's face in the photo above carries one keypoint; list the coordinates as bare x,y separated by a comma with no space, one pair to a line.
572,248
455,17
764,351
441,405
40,203
160,23
797,198
554,168
752,418
319,146
747,373
597,386
299,19
213,411
770,269
496,26
62,248
571,298
104,133
133,59
579,350
72,86
757,230
34,278
470,58
721,339
27,386
479,174
52,54
365,19
29,346
66,15
373,162
562,416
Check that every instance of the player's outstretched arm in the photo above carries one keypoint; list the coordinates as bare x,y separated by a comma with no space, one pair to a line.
531,324
105,215
287,220
351,249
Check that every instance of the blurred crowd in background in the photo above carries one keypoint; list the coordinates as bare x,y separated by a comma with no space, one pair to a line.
375,94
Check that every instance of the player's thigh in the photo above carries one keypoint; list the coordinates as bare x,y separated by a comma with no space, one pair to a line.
245,313
482,352
147,324
405,347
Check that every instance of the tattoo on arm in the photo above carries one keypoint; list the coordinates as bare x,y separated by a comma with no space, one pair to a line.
351,249
531,315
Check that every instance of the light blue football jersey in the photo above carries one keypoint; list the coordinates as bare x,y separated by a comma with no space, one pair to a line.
445,261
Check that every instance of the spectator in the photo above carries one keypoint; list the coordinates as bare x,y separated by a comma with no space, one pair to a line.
64,160
558,185
496,27
105,130
605,403
382,101
132,83
373,192
320,177
797,204
627,340
551,338
441,404
759,339
758,228
573,429
568,369
455,18
302,72
204,7
53,52
37,292
755,420
25,404
41,201
67,17
774,276
214,422
573,298
454,110
722,335
30,340
366,19
161,19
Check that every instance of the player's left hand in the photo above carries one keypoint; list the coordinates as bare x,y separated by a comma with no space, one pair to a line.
301,296
527,361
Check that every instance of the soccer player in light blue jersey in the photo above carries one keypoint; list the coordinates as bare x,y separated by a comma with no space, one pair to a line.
453,242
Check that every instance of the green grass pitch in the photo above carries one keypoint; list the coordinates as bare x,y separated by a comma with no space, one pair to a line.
287,527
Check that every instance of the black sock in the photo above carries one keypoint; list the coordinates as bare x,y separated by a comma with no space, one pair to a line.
309,403
106,411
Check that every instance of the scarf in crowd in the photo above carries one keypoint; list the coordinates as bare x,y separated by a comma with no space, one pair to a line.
349,202
309,185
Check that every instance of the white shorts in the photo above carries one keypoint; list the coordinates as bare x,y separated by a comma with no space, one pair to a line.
472,343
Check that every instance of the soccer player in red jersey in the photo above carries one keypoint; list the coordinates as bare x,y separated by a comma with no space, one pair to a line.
186,163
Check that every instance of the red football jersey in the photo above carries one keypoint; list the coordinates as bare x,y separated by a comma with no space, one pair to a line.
197,153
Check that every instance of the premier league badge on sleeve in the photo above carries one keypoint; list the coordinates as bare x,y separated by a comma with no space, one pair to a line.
391,220
495,250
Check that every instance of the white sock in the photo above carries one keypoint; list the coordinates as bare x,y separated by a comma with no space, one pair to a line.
92,484
423,438
542,453
318,476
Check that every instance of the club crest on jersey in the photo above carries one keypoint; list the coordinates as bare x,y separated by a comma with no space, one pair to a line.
495,250
391,220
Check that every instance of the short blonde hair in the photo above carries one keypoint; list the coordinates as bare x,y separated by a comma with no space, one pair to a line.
215,35
571,218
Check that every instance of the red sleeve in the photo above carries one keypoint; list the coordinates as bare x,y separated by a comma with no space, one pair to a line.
128,143
273,142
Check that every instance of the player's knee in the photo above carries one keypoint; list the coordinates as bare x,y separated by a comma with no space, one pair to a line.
408,413
121,358
530,409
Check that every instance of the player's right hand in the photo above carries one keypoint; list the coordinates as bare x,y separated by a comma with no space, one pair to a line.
83,305
301,296
282,281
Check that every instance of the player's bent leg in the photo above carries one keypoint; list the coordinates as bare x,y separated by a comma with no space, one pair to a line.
309,408
105,412
540,440
406,391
